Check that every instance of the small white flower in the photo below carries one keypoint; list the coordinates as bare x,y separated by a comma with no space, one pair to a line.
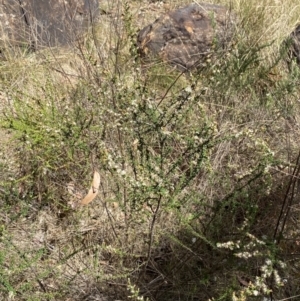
255,293
268,262
188,89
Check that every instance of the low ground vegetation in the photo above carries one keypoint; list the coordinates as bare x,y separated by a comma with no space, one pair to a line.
199,195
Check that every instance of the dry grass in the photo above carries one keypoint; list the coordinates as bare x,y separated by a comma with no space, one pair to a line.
163,239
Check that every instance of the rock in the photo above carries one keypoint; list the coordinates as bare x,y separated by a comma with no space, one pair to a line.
40,23
187,36
294,49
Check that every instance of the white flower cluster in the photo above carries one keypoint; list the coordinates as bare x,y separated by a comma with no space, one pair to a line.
254,249
229,245
247,255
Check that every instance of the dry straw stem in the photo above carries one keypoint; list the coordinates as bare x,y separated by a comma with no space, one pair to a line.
93,190
269,20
